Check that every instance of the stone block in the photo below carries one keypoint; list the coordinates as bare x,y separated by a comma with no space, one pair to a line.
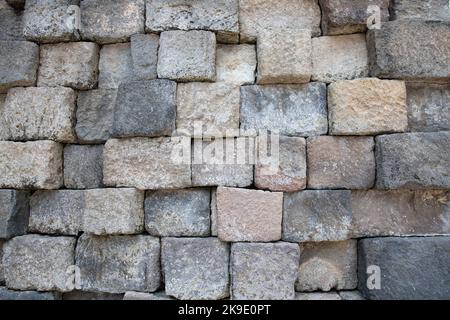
83,295
16,4
132,295
417,9
14,213
115,65
317,296
83,166
351,295
144,55
6,294
11,25
2,271
236,63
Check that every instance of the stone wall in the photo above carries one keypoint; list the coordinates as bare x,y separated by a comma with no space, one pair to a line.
109,108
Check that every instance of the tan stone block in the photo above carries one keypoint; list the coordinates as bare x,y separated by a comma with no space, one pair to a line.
236,63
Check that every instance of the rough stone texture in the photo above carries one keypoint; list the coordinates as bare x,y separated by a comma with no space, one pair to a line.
144,55
413,160
115,65
292,110
248,215
83,166
428,107
56,212
147,163
83,295
11,26
260,15
367,107
418,9
16,4
411,268
35,262
351,295
214,212
178,213
145,108
327,265
207,109
34,165
195,268
341,162
283,169
69,64
317,215
39,114
117,264
132,295
284,57
316,296
236,63
6,294
2,270
50,21
113,211
394,54
223,162
105,21
187,56
339,58
18,65
214,15
14,213
400,213
349,16
264,271
95,115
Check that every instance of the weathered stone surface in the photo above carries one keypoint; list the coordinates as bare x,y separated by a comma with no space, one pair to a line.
367,106
18,65
2,271
413,160
95,115
428,107
115,65
351,295
16,4
83,295
284,56
264,271
223,162
117,264
56,211
418,9
282,170
132,295
147,163
411,268
145,108
14,213
400,213
349,16
187,56
35,262
178,213
105,21
317,215
113,211
214,212
34,164
339,58
327,265
214,15
39,113
83,166
11,26
69,64
292,110
144,55
236,63
394,54
6,294
207,109
260,15
341,162
195,268
315,296
262,218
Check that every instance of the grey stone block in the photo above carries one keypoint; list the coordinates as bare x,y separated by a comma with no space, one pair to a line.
115,65
11,26
351,295
14,213
317,296
132,295
418,9
6,294
2,271
83,295
83,166
144,55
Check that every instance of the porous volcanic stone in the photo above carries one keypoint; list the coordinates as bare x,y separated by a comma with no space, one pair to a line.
236,63
418,9
14,213
83,166
144,55
11,25
115,65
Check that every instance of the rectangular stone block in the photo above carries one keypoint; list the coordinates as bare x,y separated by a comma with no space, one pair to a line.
117,264
39,113
367,106
317,215
413,161
178,213
317,296
264,271
341,162
327,265
411,268
160,295
33,165
187,56
147,163
14,213
72,65
115,65
83,295
339,58
144,55
11,25
291,110
196,268
262,218
394,54
35,262
18,65
83,166
236,63
418,9
6,294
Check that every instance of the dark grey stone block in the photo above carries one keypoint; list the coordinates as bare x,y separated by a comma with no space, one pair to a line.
14,213
83,166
